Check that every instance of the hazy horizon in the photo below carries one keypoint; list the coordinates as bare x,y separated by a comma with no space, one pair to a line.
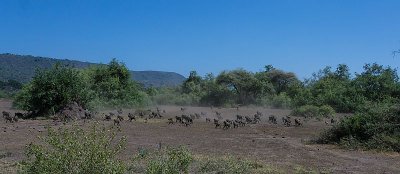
206,36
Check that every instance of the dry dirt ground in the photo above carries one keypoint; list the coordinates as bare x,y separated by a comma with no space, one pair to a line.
276,145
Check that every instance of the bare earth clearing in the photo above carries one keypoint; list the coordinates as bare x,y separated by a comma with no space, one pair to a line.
277,145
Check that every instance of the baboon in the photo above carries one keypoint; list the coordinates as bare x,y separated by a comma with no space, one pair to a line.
235,124
227,125
186,118
19,115
208,120
297,122
248,119
141,114
217,125
111,114
88,115
216,121
120,118
164,111
187,123
116,122
241,123
177,118
239,117
257,118
119,111
286,121
183,109
197,115
170,121
203,113
107,117
217,113
272,119
333,121
131,117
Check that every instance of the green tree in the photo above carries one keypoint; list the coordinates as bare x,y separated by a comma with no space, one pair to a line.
52,89
242,83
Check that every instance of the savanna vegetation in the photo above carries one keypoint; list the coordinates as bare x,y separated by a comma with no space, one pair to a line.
372,96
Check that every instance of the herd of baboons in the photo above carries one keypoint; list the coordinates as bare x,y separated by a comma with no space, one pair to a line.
184,118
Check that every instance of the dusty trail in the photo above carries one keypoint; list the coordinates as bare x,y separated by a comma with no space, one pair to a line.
284,147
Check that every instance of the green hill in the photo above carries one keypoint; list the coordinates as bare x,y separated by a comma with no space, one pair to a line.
21,68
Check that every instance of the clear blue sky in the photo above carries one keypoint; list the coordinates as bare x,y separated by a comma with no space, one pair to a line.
206,35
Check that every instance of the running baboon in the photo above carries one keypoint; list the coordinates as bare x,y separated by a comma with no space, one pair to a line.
248,119
131,117
177,118
107,117
170,121
227,125
286,121
272,119
120,118
235,124
216,121
297,122
88,115
19,115
186,118
116,122
217,125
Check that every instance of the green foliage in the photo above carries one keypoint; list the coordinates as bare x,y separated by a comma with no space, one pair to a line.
75,151
242,83
113,88
180,160
281,100
164,161
227,165
377,126
52,89
94,87
311,111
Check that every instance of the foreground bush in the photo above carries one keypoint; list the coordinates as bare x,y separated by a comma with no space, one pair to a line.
164,161
376,127
181,160
75,151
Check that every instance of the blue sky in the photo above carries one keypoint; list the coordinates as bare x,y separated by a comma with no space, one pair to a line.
206,35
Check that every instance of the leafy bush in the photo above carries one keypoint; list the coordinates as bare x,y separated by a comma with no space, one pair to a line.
276,101
376,127
311,111
164,161
326,111
52,89
74,150
227,165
